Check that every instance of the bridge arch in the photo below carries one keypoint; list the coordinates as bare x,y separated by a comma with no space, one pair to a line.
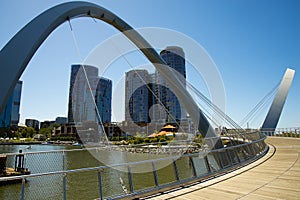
17,53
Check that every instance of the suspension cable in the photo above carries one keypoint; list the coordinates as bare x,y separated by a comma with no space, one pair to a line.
259,105
87,80
218,111
149,89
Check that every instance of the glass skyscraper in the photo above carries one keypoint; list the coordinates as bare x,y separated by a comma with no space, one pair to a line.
11,113
87,92
174,57
103,99
137,96
148,97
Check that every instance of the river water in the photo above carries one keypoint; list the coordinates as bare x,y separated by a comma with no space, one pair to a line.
84,185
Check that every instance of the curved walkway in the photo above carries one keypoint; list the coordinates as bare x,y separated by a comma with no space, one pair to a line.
275,176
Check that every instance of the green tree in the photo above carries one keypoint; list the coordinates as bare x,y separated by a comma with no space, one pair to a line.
27,132
6,132
54,126
147,140
30,132
163,141
46,132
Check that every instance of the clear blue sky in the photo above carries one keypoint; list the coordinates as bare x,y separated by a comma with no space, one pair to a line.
251,42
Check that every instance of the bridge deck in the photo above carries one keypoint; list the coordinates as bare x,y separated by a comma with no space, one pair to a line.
275,176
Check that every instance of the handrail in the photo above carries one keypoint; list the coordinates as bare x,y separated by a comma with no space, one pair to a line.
108,146
229,158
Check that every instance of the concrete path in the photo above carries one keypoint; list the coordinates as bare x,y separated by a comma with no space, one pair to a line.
275,176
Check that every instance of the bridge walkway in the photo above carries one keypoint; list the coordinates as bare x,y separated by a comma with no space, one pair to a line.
275,176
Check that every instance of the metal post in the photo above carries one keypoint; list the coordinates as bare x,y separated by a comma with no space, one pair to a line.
250,150
100,184
130,179
176,170
23,189
155,174
193,166
219,160
237,155
228,154
254,148
63,161
244,152
65,186
207,164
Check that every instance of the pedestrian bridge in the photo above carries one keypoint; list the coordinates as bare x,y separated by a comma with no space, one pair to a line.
221,172
71,174
252,170
274,176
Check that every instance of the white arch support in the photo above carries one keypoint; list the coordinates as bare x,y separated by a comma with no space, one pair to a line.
275,110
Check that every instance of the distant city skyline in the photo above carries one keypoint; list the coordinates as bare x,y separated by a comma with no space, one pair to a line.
252,44
148,98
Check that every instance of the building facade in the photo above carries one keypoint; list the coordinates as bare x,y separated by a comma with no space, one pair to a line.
103,99
169,109
138,98
87,92
148,98
61,120
46,124
32,123
11,113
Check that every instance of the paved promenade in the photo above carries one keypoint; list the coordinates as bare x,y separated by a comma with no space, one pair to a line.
275,176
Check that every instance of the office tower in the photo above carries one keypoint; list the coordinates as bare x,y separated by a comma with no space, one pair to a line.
11,113
103,99
174,57
87,90
137,96
80,97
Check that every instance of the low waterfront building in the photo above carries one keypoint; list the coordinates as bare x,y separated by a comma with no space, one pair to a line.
39,137
46,124
61,120
65,130
33,123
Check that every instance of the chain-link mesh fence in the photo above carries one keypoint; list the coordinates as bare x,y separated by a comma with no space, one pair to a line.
56,175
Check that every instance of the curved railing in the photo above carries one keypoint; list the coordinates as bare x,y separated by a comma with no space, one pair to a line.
119,181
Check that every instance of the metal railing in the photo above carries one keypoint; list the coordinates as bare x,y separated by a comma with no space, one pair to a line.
62,180
282,132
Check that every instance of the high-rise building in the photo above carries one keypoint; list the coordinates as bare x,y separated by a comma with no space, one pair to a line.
103,99
138,98
148,97
87,90
80,98
11,113
170,109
